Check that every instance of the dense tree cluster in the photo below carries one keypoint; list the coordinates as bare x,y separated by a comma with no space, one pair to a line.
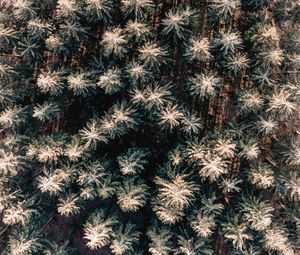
149,127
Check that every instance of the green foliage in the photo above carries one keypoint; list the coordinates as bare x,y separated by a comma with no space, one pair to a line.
149,127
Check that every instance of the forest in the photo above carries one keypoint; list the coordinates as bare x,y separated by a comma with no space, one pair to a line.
160,127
